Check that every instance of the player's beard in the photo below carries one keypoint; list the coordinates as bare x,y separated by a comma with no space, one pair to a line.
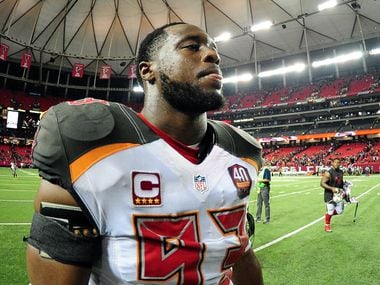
189,98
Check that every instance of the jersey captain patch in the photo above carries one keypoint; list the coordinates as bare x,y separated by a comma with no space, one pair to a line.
146,189
241,179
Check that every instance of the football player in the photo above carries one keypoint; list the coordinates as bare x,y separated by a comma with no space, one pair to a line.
332,182
158,197
14,169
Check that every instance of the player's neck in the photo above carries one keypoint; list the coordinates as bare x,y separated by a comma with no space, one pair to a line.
187,129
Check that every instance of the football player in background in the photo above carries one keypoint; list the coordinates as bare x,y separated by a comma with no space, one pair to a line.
14,169
332,182
158,197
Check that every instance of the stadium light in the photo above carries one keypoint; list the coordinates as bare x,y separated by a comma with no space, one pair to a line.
261,26
327,5
298,67
238,78
374,51
138,89
338,59
222,37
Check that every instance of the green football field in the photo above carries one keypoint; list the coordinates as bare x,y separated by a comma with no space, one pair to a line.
293,249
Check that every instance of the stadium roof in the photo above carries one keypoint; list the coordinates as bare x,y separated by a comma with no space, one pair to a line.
63,32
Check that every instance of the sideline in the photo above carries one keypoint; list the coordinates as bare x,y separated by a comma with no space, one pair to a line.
306,226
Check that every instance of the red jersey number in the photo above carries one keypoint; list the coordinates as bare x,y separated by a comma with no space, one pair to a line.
169,247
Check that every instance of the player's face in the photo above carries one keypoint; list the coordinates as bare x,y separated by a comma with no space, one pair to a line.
336,163
189,72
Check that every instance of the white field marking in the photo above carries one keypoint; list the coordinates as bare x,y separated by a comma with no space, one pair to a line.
21,201
15,224
288,194
306,226
369,190
288,180
21,177
14,190
28,172
277,240
25,180
23,171
294,193
298,181
2,184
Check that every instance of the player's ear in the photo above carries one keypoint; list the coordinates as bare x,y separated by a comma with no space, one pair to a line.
146,72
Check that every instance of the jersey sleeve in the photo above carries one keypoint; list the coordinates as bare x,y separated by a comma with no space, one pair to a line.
49,153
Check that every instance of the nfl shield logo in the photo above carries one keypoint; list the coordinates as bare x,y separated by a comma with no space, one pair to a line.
200,183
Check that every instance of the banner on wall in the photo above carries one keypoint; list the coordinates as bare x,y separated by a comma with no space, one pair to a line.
26,60
132,71
78,70
105,72
4,51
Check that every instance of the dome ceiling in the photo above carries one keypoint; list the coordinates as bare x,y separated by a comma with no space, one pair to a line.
92,32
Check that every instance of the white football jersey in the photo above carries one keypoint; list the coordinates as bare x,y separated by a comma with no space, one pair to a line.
162,219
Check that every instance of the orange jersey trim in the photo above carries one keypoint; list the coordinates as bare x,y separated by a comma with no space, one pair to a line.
251,162
81,164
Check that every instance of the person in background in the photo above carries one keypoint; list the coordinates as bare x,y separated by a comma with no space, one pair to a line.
263,184
14,169
157,197
332,182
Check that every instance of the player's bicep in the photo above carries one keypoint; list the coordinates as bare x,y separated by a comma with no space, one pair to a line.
247,270
43,271
52,193
62,241
325,179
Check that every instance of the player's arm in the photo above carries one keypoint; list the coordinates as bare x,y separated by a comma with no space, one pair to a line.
247,270
324,180
44,269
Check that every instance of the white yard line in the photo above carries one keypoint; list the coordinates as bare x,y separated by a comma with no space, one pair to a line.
288,194
294,193
21,201
28,172
16,183
277,240
15,224
306,226
14,190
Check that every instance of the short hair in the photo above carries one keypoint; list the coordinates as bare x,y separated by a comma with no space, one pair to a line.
150,45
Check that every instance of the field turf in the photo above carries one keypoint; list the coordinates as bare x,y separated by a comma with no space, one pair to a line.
293,248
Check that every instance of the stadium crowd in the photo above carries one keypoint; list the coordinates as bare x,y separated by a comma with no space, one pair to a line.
264,113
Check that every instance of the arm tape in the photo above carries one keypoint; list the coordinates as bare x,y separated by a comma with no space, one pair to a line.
61,244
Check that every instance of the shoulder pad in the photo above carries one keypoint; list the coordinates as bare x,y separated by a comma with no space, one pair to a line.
85,120
237,141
